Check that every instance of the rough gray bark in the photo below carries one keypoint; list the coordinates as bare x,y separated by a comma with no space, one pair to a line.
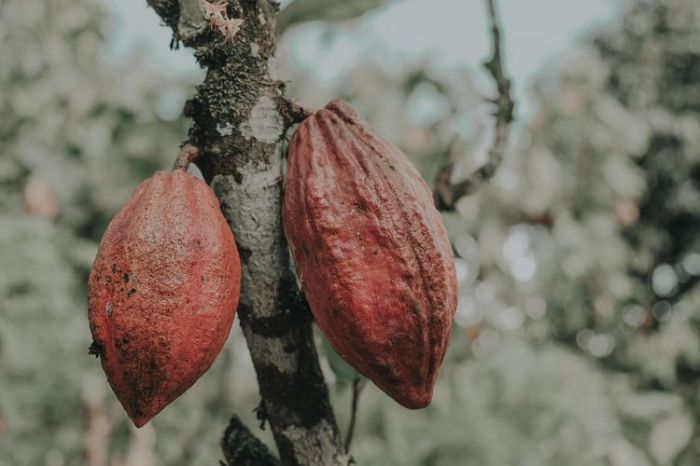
238,118
242,448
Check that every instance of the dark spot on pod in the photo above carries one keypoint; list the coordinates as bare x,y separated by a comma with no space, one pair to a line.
121,342
360,208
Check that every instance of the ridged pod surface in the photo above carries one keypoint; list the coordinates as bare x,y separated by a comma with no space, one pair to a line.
371,252
163,292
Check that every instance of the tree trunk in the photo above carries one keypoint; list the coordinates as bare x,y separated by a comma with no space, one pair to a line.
238,120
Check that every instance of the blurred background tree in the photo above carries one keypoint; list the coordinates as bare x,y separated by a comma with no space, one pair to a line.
576,340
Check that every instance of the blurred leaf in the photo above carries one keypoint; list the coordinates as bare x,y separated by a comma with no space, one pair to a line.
302,11
669,436
649,405
623,453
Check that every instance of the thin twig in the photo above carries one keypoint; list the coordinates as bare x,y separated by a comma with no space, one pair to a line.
447,193
188,154
357,386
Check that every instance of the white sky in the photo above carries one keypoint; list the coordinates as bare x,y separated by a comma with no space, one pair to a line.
450,32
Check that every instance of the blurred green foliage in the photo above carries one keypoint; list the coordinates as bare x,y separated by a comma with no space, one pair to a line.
76,136
576,339
579,264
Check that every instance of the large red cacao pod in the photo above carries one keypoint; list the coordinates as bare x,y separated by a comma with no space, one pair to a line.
371,252
163,292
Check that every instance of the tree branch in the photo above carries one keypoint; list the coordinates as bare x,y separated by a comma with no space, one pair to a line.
169,10
242,448
237,124
447,193
191,22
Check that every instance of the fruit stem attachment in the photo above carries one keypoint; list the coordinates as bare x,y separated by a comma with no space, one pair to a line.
293,111
188,154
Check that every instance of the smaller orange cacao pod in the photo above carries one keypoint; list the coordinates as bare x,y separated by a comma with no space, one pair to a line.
163,291
371,252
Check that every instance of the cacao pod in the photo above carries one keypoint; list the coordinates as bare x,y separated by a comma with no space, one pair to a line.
371,252
163,291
